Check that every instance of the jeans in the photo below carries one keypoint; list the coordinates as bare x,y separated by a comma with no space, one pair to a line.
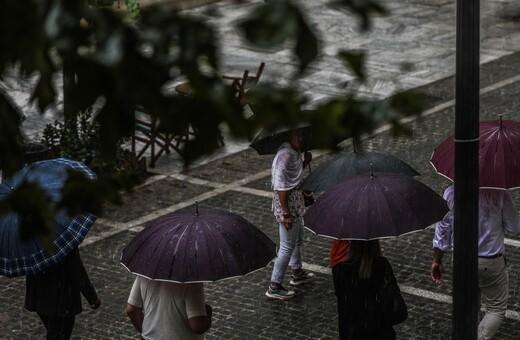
493,284
289,253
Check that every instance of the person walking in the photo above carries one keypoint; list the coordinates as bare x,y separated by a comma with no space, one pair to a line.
497,215
288,208
168,310
54,294
357,283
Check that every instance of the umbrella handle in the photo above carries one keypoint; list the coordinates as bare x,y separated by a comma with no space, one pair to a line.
309,165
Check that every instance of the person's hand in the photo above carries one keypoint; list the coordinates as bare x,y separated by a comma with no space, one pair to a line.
307,158
437,272
96,304
287,222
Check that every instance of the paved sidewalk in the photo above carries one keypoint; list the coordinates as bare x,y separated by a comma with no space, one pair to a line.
239,182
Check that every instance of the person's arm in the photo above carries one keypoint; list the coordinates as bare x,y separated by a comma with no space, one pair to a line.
442,239
307,158
136,315
510,217
85,285
287,215
437,266
200,324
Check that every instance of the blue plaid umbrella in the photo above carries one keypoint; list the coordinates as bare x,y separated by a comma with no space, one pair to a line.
21,258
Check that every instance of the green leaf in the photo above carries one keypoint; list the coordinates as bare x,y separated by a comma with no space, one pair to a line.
355,61
34,209
307,45
270,24
364,9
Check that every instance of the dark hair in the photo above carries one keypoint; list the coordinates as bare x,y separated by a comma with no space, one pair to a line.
363,252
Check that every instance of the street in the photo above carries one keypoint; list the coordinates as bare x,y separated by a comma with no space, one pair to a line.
240,182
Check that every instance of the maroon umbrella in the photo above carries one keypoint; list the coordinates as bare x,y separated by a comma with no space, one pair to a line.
499,155
374,206
205,246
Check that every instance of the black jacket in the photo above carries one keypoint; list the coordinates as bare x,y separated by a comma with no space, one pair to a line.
359,313
55,292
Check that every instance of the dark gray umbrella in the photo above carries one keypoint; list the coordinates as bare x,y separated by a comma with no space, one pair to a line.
375,206
336,170
205,246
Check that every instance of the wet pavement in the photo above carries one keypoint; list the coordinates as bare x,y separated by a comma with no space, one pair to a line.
239,180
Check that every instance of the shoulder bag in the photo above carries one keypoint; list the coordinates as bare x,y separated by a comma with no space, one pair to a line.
392,302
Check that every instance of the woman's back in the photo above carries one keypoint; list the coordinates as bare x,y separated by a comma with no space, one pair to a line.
359,312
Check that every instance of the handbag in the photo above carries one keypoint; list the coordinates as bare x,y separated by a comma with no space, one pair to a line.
393,306
308,197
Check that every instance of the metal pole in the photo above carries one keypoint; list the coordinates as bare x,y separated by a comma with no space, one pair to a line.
465,261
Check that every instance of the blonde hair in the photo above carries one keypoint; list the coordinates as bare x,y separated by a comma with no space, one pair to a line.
363,252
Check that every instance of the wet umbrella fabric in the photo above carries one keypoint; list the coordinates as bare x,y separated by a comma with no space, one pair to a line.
207,246
499,155
331,172
21,258
267,142
375,206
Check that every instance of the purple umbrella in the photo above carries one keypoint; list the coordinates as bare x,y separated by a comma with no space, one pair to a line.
205,246
499,155
375,206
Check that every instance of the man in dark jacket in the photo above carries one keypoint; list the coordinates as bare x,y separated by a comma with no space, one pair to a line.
55,295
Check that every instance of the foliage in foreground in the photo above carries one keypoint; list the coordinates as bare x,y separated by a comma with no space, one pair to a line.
118,65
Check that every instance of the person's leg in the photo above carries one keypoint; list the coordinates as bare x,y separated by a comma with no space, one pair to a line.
295,263
341,301
298,275
44,319
60,328
288,240
494,288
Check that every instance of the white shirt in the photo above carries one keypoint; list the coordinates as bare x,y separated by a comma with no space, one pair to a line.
167,306
497,214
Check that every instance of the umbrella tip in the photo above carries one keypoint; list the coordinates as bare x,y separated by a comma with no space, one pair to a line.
500,115
196,208
371,170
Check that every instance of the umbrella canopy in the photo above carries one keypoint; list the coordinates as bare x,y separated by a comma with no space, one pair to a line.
499,155
21,258
331,172
267,142
205,246
374,206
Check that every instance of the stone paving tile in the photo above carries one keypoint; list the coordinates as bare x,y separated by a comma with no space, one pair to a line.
164,193
232,167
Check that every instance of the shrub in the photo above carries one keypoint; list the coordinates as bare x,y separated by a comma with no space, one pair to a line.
78,139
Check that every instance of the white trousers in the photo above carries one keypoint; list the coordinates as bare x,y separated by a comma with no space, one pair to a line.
493,284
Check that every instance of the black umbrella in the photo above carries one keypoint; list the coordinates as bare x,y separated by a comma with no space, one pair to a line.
336,170
267,141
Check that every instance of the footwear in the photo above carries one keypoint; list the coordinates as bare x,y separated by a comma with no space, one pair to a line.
301,277
279,292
